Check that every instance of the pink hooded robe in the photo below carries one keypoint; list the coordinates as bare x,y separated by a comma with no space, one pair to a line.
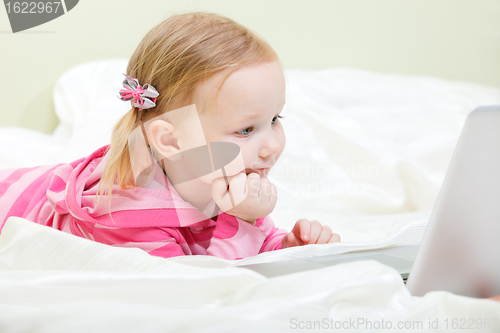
158,221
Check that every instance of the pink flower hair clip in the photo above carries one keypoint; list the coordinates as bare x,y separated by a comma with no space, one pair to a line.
144,97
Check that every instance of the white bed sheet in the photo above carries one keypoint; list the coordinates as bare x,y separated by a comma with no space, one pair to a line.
51,281
379,144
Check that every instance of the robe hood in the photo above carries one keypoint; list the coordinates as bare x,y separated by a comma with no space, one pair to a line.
73,188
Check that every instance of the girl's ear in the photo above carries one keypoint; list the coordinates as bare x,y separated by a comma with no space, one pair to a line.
165,141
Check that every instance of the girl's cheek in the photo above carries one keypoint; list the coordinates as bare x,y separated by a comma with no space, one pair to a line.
231,169
209,179
282,142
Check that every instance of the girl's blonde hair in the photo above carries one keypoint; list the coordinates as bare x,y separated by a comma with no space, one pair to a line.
174,57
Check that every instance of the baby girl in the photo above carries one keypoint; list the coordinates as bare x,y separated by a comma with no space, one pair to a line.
206,95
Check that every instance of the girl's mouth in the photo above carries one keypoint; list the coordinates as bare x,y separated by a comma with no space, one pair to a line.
260,172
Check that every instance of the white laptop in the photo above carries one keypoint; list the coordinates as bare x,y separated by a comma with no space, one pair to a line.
460,251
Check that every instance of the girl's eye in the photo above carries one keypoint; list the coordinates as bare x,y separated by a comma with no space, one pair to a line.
275,119
246,131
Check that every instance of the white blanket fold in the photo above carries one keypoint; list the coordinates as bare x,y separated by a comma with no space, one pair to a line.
51,281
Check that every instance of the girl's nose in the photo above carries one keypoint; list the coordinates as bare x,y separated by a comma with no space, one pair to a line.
271,145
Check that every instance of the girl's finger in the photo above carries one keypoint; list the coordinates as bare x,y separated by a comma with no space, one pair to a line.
265,184
334,238
285,242
315,231
291,240
302,230
219,189
253,184
325,235
237,188
274,195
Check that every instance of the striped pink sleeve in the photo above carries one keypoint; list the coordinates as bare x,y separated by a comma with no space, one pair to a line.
234,238
274,235
160,242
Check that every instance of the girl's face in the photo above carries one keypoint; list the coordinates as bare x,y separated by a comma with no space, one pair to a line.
246,113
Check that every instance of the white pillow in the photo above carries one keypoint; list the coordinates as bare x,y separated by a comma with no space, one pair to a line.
87,104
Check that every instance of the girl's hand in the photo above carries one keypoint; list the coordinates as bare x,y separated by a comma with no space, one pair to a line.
305,232
247,197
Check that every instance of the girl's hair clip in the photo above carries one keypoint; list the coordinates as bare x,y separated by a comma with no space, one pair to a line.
144,97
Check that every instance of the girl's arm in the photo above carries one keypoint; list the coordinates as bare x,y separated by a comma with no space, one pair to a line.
274,236
159,242
234,238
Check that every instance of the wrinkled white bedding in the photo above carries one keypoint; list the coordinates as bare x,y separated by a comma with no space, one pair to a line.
366,154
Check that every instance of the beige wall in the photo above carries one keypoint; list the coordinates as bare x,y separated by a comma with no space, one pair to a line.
451,39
